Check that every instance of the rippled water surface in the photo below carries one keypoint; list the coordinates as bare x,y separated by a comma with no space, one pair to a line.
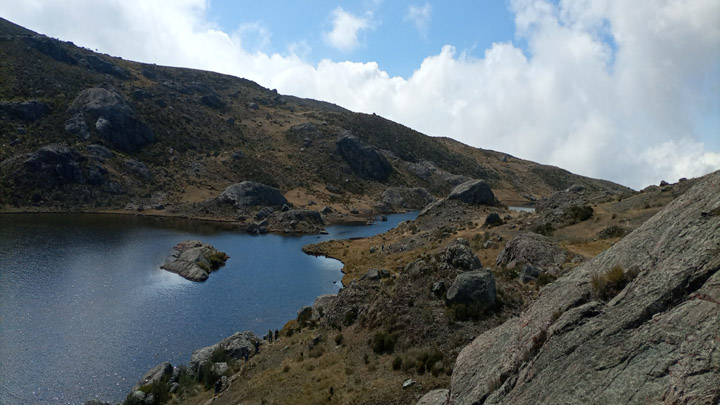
85,309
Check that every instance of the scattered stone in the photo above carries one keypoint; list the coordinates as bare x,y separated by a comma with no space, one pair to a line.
326,210
529,273
99,64
371,274
237,155
438,288
252,106
285,208
664,183
333,189
473,287
141,95
383,218
475,192
435,397
354,211
493,219
575,188
194,260
408,383
264,213
459,255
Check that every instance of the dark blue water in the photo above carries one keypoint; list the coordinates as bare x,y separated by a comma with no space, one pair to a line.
85,309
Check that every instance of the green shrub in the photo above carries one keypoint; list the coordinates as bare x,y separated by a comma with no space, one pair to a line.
397,363
579,213
543,279
465,312
339,339
217,259
383,342
544,229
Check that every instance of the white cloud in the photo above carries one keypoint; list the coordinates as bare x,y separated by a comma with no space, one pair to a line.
345,31
420,16
640,109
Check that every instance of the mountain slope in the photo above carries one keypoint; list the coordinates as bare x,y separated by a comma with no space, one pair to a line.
174,138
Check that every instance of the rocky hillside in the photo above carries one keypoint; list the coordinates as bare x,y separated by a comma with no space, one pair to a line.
637,324
83,131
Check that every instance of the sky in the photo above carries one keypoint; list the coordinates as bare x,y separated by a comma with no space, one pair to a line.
627,91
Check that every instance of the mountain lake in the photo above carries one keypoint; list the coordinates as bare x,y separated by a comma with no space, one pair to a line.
85,309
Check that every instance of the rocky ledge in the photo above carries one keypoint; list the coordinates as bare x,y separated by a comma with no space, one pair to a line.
194,260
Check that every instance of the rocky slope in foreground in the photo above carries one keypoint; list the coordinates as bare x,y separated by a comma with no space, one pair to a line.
656,341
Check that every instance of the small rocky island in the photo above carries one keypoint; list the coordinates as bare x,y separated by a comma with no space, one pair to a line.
194,260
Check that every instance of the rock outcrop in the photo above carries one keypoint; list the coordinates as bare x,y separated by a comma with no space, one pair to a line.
26,110
112,118
250,194
404,198
154,374
654,342
51,166
363,159
233,347
475,192
534,249
301,221
194,260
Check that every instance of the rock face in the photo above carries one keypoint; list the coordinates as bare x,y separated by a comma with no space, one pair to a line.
475,192
654,342
473,287
363,159
397,198
250,193
533,249
234,346
194,260
26,110
111,116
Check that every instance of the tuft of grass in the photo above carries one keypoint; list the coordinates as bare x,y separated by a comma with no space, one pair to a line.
383,342
609,284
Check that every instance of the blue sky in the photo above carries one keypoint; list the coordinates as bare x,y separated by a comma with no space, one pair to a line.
471,26
627,91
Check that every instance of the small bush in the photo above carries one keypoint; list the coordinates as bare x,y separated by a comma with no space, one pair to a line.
607,285
383,342
217,259
543,279
339,339
465,312
545,229
579,213
397,363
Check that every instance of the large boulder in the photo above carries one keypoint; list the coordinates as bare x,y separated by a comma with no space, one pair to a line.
363,159
250,193
475,192
473,287
653,342
51,166
534,249
26,110
194,260
399,198
459,255
233,347
112,118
